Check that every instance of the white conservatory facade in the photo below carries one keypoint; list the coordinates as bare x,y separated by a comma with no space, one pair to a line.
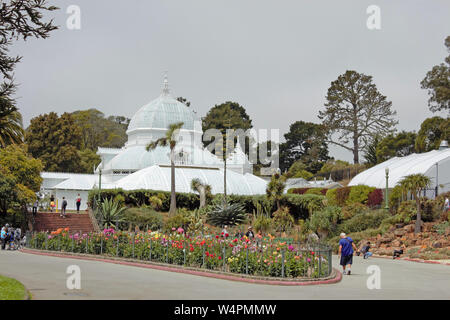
133,167
434,164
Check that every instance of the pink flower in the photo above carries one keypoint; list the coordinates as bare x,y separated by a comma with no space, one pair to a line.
309,260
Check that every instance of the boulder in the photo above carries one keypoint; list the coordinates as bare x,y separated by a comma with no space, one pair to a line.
399,232
409,228
396,243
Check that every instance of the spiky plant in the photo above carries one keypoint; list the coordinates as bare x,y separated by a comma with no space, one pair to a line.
275,189
225,214
109,213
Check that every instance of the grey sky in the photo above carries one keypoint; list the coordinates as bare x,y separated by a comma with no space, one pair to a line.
276,58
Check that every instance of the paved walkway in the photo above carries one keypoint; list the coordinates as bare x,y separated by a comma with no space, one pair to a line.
46,276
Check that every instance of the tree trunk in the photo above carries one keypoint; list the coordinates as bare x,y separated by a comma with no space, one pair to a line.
418,227
225,180
173,199
202,193
278,204
355,149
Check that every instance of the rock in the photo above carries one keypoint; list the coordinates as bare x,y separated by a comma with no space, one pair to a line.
418,242
385,239
391,229
399,232
447,231
409,228
396,243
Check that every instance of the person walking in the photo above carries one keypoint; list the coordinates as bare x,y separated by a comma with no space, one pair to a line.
35,206
52,203
17,237
63,208
346,246
78,202
3,235
446,204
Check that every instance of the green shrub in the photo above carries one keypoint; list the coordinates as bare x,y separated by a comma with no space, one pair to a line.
226,214
325,221
396,196
352,210
359,194
144,217
317,191
181,220
137,198
369,219
282,219
408,210
342,196
332,197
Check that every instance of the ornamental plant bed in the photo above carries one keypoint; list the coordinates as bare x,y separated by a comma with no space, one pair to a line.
263,257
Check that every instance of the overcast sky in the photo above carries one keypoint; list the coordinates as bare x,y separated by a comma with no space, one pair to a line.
276,58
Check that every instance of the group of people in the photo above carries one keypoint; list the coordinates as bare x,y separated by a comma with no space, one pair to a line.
12,237
239,234
347,247
63,205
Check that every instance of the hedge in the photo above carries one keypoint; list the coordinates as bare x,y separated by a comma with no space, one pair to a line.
299,205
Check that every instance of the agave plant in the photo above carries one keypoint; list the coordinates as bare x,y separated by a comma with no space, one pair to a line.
225,214
109,213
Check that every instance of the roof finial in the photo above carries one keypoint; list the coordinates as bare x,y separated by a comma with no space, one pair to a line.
166,91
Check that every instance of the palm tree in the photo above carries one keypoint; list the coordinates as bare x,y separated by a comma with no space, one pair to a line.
202,188
415,183
171,140
11,130
275,189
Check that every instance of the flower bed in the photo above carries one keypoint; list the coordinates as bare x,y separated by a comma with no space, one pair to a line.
265,257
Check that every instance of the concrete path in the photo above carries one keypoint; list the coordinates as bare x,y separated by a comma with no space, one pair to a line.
45,277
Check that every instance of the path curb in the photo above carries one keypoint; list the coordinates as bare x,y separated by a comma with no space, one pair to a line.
336,276
414,260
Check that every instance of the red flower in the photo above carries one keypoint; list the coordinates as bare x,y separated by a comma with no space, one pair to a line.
312,252
227,235
207,253
220,258
217,237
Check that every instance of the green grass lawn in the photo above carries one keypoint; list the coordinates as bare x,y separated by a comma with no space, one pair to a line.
11,289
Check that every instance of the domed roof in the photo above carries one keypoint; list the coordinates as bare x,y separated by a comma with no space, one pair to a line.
162,112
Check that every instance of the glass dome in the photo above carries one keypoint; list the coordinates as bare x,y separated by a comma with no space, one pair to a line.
160,113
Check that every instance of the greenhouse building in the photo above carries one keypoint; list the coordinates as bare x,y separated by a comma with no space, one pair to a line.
133,167
434,164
